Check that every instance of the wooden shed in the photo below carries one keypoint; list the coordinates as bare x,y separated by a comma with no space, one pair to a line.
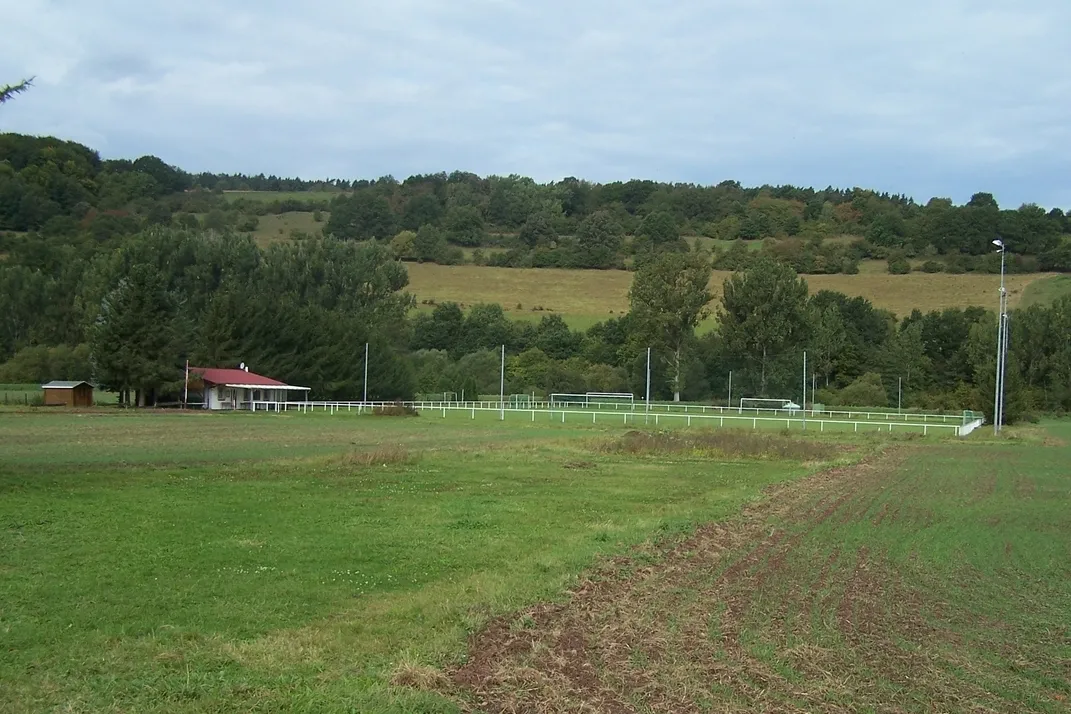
68,394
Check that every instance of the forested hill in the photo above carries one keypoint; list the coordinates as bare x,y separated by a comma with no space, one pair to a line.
121,271
63,189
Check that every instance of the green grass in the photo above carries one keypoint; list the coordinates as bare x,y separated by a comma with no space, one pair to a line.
1046,290
238,562
934,578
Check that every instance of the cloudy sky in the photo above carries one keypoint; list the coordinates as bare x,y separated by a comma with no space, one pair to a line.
923,97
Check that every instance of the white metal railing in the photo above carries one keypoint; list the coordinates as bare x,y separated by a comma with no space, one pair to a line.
686,414
869,415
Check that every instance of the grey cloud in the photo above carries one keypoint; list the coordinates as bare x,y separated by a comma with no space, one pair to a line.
927,98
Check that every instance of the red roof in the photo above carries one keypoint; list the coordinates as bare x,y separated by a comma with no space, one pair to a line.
234,376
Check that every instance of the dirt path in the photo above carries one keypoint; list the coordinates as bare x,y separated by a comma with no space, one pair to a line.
785,609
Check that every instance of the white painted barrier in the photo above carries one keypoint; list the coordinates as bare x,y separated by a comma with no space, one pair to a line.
686,418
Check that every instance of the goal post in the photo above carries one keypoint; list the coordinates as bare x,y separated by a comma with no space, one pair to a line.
763,403
563,399
614,398
592,398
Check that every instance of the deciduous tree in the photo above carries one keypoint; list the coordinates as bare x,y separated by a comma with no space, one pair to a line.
667,300
764,313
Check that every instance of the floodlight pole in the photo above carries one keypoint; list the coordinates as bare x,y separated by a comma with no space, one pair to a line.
730,389
804,405
899,394
364,400
647,408
502,388
998,396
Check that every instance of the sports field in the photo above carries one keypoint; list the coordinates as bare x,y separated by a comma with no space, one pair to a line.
317,562
586,296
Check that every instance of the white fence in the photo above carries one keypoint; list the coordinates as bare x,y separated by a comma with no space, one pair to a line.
681,415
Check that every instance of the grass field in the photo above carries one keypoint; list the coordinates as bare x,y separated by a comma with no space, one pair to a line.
281,195
587,296
258,562
926,579
1046,290
275,228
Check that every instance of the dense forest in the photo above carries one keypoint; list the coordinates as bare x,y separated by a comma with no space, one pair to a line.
119,271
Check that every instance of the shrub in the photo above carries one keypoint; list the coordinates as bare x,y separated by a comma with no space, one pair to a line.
248,224
955,267
932,266
899,266
867,391
398,409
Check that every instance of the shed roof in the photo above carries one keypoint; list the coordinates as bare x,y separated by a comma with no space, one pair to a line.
57,384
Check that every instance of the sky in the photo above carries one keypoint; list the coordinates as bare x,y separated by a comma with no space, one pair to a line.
919,97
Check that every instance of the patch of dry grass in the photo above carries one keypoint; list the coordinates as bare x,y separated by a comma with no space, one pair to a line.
276,228
395,410
719,444
384,455
415,675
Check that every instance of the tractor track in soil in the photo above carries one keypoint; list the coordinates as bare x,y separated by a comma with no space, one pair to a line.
743,615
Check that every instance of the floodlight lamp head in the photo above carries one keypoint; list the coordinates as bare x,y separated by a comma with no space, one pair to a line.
998,242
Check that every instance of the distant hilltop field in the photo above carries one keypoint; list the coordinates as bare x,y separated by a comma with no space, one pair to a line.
584,297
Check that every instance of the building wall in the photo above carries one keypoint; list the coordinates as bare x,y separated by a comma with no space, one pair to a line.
83,396
59,397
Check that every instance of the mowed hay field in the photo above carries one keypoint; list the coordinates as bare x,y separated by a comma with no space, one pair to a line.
598,294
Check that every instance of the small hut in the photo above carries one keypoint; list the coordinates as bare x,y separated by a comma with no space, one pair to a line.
68,394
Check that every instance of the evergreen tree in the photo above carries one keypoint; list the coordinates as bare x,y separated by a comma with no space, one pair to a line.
132,341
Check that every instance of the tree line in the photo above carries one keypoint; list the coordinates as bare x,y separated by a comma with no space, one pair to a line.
63,189
129,316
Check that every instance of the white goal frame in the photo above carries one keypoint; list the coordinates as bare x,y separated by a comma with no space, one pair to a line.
781,404
616,397
589,398
568,398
